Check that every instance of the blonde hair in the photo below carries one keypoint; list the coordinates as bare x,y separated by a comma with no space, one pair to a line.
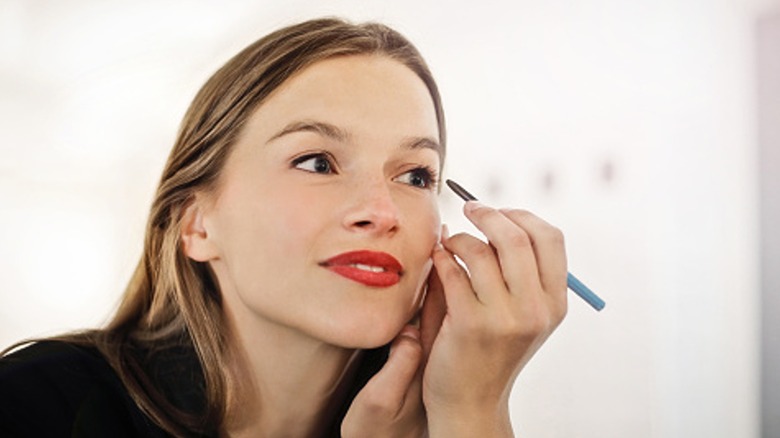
172,301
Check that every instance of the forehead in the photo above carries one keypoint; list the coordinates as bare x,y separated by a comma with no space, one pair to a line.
353,92
385,76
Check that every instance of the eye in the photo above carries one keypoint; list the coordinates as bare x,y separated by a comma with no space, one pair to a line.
315,163
421,177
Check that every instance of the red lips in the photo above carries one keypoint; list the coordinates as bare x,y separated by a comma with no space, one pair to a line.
372,268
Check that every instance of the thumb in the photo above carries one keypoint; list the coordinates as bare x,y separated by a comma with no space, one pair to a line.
387,389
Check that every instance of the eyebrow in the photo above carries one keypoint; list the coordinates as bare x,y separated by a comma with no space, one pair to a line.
339,134
322,128
422,143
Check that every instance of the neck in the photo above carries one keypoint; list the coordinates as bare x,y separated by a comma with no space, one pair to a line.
286,384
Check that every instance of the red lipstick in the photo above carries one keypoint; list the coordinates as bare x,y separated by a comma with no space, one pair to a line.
372,268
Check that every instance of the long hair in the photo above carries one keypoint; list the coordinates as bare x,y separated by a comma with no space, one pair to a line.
172,301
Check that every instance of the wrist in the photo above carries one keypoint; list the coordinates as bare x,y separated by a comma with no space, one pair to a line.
452,422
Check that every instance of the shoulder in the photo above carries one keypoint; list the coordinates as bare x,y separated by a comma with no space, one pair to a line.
55,388
49,357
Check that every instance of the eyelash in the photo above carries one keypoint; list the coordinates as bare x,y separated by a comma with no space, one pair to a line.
430,177
304,158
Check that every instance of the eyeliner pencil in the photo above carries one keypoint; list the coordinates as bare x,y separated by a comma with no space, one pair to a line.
573,282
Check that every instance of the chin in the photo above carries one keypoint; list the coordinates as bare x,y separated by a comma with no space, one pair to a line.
368,334
366,324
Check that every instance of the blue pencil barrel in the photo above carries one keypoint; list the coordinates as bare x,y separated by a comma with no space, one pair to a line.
584,292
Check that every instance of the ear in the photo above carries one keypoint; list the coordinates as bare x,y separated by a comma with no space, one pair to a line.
197,244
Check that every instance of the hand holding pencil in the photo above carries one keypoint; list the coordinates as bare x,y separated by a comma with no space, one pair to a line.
573,282
489,307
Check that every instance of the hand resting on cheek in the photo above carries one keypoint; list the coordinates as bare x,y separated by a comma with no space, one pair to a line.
478,329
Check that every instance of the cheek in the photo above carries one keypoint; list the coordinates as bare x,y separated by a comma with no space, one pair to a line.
428,222
294,221
426,226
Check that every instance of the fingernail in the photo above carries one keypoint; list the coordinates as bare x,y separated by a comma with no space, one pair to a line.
445,233
473,205
410,332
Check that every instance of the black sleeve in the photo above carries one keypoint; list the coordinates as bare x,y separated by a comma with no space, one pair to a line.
56,389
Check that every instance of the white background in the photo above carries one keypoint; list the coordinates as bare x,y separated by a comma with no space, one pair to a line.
629,124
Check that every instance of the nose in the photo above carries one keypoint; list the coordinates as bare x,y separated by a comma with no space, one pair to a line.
374,211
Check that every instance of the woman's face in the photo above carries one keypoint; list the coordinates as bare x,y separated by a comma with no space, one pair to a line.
325,215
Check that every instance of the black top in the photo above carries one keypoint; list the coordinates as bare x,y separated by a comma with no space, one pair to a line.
58,389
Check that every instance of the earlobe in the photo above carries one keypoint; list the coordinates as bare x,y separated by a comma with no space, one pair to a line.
195,238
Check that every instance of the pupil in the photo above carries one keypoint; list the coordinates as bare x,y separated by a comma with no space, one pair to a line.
418,180
321,165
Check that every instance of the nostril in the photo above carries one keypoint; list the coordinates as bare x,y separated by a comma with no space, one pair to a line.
373,213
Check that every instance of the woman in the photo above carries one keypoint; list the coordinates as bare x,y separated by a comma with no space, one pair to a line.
295,280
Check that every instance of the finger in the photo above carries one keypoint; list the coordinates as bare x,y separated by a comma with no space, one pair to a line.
513,246
413,396
388,387
549,247
432,314
482,263
456,285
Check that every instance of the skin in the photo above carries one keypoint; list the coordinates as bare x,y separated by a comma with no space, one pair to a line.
279,211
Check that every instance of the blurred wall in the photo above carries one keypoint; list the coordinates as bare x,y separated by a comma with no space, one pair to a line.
630,125
768,50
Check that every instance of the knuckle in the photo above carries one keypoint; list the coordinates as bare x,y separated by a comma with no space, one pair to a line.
479,249
409,350
504,327
534,328
507,325
516,213
562,309
520,239
541,324
560,313
534,323
451,272
555,235
378,406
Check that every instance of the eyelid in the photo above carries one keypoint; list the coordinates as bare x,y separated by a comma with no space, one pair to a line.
305,156
432,176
